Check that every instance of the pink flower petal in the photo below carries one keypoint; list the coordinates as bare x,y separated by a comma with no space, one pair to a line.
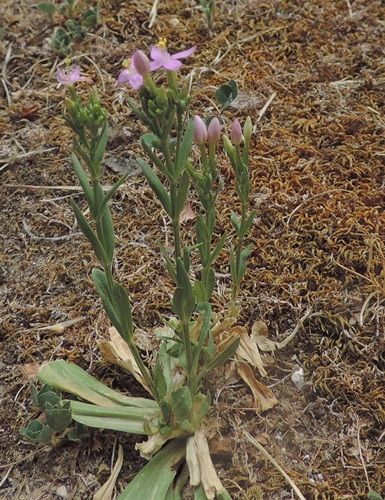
75,75
136,81
155,65
157,54
184,53
172,65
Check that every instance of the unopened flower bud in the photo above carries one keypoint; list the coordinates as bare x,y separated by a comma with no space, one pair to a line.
200,131
162,99
214,131
247,130
141,63
236,133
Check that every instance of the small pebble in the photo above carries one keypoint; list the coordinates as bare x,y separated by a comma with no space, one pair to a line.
62,492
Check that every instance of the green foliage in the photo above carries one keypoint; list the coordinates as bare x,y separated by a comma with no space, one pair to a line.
208,10
58,419
372,495
77,22
226,93
188,352
48,9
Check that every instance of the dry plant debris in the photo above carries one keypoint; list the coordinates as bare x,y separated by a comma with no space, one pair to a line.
311,74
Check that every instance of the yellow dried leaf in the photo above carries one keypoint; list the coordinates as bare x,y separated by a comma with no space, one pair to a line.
264,399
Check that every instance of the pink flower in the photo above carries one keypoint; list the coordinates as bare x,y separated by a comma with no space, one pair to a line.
161,58
131,76
236,133
214,130
200,130
141,63
71,77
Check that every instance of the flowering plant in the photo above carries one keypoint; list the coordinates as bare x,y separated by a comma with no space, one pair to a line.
175,419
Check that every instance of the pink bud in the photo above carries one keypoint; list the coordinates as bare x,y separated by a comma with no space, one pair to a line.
236,133
141,63
200,131
214,131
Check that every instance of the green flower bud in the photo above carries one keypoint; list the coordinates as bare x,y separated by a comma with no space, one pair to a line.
162,98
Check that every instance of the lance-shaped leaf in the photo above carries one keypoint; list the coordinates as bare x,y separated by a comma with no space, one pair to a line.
183,299
248,223
218,360
84,154
100,148
111,193
217,250
122,308
182,193
124,419
156,185
154,480
84,182
142,117
181,403
205,310
185,148
235,222
102,286
150,153
89,233
242,261
71,378
169,263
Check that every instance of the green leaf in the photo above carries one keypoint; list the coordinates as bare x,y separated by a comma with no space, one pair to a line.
242,261
142,117
205,309
235,222
372,495
58,418
101,147
160,381
182,193
36,432
78,433
183,299
153,157
185,148
90,18
217,250
233,268
248,222
89,233
101,283
201,406
220,359
226,93
47,8
234,87
156,185
49,397
181,403
124,419
166,411
82,152
108,235
169,264
200,291
154,480
112,191
67,377
122,308
81,175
